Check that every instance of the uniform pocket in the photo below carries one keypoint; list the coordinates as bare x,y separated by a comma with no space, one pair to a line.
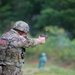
2,53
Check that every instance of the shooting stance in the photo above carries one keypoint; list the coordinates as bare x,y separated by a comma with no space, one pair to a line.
12,44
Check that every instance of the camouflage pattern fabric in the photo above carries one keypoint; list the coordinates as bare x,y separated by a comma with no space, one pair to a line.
13,54
11,70
19,41
11,57
22,26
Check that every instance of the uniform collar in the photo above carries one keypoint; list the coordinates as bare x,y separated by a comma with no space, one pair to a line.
12,30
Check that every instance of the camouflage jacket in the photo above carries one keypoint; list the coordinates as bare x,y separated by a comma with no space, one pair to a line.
12,55
19,41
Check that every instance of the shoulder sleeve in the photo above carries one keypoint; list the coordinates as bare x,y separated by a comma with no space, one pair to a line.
31,42
25,42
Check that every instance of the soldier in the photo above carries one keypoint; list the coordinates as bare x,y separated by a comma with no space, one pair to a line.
11,44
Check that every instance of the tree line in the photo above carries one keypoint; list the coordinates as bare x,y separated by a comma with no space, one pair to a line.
38,14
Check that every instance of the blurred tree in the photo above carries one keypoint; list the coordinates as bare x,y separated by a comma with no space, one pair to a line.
38,13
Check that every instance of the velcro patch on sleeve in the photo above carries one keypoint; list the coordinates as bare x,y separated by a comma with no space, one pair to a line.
2,42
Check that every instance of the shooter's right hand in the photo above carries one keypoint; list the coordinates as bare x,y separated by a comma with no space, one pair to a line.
41,40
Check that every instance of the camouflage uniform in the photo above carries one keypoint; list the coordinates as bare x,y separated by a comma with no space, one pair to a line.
10,60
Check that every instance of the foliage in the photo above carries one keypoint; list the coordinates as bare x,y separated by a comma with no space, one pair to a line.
38,13
54,17
57,46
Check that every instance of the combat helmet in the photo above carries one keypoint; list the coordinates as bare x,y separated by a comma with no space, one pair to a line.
22,26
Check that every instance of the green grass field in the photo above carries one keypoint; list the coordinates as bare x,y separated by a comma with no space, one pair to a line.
32,69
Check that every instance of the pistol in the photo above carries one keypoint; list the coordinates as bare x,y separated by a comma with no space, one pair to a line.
43,35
